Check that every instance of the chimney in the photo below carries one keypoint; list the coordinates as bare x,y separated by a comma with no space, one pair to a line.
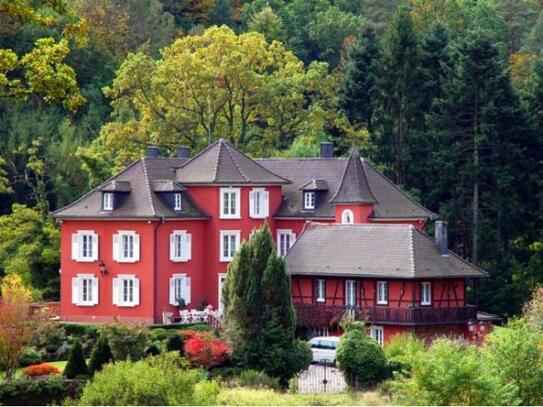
442,241
327,150
152,152
183,152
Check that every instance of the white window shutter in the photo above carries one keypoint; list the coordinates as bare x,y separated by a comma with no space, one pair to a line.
292,239
136,291
172,247
238,241
251,204
115,295
75,290
95,246
136,247
188,246
187,290
172,291
265,204
95,291
75,246
116,247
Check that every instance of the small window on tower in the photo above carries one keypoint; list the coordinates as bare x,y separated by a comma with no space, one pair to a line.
309,200
107,202
177,203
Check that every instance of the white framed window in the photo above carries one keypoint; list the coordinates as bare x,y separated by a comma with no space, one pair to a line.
107,201
229,244
309,200
180,246
350,293
259,203
347,217
177,201
85,290
222,280
126,290
382,292
378,333
320,290
285,240
126,247
180,289
426,293
230,203
85,246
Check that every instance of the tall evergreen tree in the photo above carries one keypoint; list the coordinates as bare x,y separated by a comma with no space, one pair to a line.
358,89
399,92
101,354
221,12
76,366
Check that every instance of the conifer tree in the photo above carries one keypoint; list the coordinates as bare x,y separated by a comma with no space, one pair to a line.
175,343
358,89
76,365
101,355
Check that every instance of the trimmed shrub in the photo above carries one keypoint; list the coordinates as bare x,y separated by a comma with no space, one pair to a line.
360,357
76,366
30,356
156,380
160,334
175,343
205,353
31,392
126,340
152,350
43,369
101,354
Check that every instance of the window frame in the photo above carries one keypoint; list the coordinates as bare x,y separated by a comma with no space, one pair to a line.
93,284
92,246
349,292
180,246
291,240
135,300
426,301
380,337
320,290
378,299
236,192
119,246
309,200
181,283
107,201
177,201
236,234
259,199
349,213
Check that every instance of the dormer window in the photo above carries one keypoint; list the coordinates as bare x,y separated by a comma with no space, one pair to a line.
177,202
347,217
107,201
309,200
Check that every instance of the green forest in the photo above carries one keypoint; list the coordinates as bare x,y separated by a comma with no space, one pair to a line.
444,96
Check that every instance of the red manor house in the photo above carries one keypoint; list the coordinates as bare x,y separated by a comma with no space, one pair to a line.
166,228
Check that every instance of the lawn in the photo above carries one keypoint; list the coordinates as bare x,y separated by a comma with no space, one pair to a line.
61,364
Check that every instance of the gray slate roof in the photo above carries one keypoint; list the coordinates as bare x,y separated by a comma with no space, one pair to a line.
391,203
142,201
315,185
354,187
392,251
222,163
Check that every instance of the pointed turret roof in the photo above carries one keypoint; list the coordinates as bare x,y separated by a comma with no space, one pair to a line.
354,187
222,163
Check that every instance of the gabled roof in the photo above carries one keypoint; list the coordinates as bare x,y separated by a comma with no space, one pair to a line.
354,186
364,250
315,185
222,163
391,201
141,200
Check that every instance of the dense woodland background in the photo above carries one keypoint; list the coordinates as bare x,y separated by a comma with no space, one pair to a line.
445,96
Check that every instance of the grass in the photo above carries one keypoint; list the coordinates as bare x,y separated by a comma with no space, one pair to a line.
61,364
240,396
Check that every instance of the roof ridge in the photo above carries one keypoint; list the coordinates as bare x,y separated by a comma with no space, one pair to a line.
148,185
412,249
227,148
96,188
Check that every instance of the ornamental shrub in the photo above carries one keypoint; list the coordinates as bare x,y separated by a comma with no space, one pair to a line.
156,380
30,356
152,350
43,369
101,354
51,390
401,352
205,353
175,343
127,340
76,366
360,358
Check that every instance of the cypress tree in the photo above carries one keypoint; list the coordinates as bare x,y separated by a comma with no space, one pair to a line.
76,365
101,355
175,343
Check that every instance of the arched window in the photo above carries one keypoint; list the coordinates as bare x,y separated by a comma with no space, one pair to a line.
347,217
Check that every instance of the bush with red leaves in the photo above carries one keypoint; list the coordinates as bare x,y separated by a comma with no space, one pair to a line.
206,352
43,369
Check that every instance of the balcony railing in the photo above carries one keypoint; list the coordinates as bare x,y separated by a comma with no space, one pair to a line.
315,315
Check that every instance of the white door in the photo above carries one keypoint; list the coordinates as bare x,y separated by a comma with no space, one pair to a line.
222,279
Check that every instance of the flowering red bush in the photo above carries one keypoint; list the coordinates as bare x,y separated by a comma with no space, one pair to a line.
202,351
43,369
